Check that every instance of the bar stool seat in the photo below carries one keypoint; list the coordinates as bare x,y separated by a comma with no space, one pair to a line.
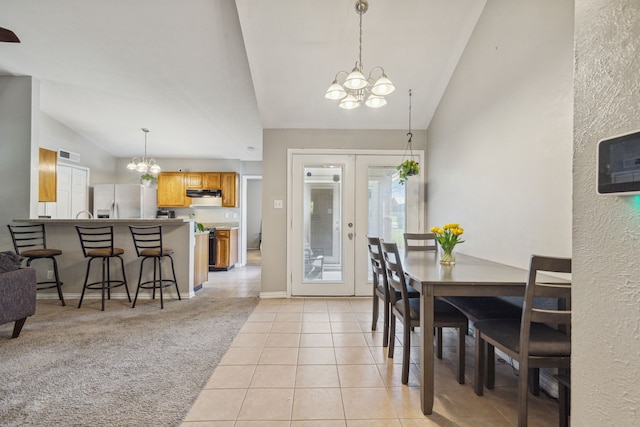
148,244
97,243
30,242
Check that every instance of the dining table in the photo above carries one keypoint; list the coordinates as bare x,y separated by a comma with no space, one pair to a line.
469,276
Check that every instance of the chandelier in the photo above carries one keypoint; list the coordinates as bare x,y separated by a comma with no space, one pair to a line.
356,87
143,164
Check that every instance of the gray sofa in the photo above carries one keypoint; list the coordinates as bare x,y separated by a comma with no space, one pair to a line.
17,292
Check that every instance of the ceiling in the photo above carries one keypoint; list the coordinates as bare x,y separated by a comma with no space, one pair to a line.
207,76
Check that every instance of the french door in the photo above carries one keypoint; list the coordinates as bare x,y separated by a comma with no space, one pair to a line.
336,200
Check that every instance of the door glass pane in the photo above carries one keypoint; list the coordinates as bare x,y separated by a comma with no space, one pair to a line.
322,249
387,209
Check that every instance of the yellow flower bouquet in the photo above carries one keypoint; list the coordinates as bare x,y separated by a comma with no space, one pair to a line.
448,236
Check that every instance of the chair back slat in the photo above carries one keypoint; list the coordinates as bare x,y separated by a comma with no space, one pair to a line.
147,237
395,272
92,238
551,317
419,242
558,317
28,237
375,255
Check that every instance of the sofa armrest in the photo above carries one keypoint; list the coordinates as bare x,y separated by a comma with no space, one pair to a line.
17,294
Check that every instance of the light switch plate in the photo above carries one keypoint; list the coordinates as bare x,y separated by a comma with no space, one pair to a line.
278,204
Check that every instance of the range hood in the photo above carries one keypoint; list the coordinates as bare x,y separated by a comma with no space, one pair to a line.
205,198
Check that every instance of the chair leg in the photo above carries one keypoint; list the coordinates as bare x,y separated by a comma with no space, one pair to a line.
124,279
105,265
480,347
523,394
490,366
439,343
18,327
534,381
57,277
374,316
160,281
385,322
139,282
175,279
392,335
461,354
86,279
406,352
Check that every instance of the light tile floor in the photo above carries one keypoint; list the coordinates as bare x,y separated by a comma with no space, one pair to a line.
315,362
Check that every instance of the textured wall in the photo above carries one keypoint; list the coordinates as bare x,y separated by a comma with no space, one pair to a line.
606,244
499,146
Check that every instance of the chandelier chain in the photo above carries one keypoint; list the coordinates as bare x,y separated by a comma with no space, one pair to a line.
360,51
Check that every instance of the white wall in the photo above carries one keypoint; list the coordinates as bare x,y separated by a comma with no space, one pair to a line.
274,182
15,152
55,135
606,229
499,146
254,213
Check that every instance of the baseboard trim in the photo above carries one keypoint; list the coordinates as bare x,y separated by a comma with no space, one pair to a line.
275,294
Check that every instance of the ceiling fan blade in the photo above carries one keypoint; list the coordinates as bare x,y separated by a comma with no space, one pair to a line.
8,36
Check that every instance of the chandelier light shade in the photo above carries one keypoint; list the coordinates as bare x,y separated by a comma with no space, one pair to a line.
356,88
144,165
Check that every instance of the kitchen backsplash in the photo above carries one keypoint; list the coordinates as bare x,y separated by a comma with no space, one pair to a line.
208,215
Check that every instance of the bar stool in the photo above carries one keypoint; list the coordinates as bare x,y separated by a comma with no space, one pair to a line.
30,242
148,243
97,243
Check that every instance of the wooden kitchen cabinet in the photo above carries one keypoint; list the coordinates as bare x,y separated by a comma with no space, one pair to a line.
193,180
201,261
171,190
47,177
211,180
226,249
229,186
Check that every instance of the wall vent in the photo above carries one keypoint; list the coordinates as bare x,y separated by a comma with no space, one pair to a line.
69,156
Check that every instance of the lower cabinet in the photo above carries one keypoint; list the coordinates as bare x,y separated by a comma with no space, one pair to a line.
226,248
201,260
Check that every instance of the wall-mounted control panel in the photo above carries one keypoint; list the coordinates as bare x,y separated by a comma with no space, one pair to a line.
619,165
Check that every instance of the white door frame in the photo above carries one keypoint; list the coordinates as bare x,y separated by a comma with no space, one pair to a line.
416,189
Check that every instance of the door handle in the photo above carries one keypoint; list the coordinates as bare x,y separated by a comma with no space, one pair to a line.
350,235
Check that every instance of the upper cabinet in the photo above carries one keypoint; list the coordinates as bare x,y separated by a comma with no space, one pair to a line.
211,181
47,178
193,180
229,181
172,187
171,190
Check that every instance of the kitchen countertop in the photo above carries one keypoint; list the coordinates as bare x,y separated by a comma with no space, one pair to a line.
221,225
106,220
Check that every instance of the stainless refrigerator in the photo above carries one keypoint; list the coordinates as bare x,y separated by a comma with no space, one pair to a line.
124,201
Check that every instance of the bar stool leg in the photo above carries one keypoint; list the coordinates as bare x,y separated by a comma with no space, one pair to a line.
57,277
86,279
159,282
124,279
175,280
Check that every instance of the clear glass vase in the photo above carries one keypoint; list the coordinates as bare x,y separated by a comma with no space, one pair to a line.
447,256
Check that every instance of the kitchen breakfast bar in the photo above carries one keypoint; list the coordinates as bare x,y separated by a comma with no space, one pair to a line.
177,234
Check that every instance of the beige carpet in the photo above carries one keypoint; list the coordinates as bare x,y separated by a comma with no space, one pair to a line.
120,367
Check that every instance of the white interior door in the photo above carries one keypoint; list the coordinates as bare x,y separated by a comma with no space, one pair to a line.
336,201
322,228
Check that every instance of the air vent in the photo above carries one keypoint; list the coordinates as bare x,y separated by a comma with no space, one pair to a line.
69,156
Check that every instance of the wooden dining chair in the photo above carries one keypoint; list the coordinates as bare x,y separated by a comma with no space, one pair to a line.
540,339
420,242
407,309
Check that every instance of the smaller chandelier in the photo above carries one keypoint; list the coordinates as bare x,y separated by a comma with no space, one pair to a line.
356,87
143,164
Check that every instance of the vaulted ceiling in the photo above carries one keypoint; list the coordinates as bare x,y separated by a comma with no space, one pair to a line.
207,76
